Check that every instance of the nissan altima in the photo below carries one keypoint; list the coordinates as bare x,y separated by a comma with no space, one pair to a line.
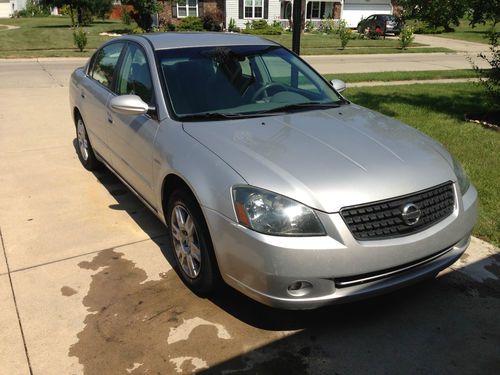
265,175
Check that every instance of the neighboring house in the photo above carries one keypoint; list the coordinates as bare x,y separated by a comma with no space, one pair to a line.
243,11
8,7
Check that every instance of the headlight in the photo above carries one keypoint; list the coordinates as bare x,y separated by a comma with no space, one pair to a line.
271,213
463,180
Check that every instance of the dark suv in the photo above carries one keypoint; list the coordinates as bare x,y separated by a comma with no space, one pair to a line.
381,23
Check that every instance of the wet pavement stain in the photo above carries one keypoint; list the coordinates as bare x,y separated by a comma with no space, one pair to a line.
157,326
142,326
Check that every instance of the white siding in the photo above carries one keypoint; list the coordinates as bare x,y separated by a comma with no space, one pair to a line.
232,12
352,10
5,10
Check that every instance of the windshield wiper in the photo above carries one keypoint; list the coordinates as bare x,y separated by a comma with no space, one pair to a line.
207,116
219,116
308,105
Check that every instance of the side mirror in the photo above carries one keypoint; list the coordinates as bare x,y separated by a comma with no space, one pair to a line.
129,105
338,85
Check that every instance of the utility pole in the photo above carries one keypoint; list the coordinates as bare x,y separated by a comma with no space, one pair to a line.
298,6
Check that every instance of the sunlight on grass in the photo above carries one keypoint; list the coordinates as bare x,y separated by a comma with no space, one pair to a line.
438,110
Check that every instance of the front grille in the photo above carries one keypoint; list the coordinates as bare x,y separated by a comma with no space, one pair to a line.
383,219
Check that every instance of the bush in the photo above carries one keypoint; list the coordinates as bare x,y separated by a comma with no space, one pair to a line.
138,30
261,27
190,23
406,37
372,34
232,26
490,78
80,38
345,33
421,27
213,19
126,17
327,26
309,27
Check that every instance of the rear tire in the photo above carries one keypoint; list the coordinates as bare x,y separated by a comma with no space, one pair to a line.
191,244
84,148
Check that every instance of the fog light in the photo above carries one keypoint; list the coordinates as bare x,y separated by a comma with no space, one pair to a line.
300,288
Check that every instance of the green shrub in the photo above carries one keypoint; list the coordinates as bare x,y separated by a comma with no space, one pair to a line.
80,38
345,33
232,26
422,27
261,27
327,26
406,37
36,9
490,78
309,27
372,34
126,17
138,30
190,23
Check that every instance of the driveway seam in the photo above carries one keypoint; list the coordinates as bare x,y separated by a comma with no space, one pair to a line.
50,74
15,303
85,254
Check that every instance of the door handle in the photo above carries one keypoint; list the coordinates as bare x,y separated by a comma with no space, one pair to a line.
110,119
82,94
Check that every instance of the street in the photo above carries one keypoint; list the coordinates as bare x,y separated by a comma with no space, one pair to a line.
87,287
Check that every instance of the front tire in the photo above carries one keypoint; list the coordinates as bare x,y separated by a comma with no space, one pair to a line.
84,148
191,244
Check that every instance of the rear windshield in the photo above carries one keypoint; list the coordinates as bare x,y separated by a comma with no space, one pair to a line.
236,80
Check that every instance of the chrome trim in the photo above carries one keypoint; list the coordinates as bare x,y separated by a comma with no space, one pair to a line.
343,284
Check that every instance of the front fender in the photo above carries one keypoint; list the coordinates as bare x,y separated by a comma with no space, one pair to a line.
208,176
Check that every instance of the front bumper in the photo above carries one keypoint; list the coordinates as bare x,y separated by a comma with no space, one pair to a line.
338,267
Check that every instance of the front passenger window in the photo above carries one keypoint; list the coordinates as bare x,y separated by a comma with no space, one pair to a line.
134,77
105,63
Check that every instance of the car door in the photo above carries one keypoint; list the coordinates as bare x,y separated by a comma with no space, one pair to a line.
132,136
95,92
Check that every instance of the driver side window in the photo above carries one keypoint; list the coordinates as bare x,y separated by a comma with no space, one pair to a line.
134,77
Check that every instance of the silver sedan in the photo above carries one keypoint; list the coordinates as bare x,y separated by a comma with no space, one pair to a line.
266,177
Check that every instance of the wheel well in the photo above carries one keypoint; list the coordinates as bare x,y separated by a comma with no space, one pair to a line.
76,114
171,183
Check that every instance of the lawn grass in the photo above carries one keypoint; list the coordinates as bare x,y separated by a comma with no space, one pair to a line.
52,37
402,76
438,110
319,44
465,32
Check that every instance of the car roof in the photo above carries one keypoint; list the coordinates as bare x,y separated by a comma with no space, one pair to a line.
197,39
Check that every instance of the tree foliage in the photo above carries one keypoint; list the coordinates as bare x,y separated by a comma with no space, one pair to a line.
482,11
143,11
81,11
436,13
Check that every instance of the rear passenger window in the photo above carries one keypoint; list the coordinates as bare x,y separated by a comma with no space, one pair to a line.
105,63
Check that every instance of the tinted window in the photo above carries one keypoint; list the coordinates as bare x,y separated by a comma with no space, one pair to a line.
134,77
237,80
105,63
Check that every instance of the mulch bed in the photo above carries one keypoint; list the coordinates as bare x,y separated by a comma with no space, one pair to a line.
489,120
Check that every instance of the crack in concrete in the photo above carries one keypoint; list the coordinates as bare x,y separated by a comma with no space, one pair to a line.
15,303
49,73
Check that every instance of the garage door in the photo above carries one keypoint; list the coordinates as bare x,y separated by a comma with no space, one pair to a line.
354,12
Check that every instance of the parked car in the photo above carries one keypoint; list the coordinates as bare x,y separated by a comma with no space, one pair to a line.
382,24
265,175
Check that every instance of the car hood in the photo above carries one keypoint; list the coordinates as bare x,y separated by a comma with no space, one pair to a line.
328,159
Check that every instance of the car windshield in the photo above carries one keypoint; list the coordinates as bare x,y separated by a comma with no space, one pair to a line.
241,81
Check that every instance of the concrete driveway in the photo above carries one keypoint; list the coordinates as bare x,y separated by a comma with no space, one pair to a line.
86,284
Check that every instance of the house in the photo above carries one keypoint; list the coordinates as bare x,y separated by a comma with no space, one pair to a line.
8,7
242,11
